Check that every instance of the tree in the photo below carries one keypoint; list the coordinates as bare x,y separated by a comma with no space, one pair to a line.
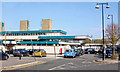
113,35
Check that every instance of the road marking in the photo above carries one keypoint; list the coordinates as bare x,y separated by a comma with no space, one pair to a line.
86,62
57,67
70,63
22,66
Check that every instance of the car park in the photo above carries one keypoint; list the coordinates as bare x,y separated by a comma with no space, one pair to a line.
20,52
90,50
3,55
70,53
40,52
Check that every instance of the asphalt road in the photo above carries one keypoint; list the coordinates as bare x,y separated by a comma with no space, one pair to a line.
83,62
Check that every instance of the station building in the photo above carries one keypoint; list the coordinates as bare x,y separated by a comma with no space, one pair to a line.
49,40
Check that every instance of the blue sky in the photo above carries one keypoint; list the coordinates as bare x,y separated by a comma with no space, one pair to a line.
76,18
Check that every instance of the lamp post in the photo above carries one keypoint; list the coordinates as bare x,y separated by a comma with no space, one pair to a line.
97,7
33,50
111,16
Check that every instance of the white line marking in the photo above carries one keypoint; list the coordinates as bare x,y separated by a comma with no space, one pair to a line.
57,67
70,63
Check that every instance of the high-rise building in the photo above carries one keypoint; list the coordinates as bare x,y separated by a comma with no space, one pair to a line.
46,24
2,26
24,25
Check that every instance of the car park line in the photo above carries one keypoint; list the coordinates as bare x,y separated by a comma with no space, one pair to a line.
57,67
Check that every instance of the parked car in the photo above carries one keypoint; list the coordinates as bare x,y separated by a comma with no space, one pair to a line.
3,55
40,52
70,53
109,52
100,51
78,52
31,51
9,51
81,51
90,50
20,52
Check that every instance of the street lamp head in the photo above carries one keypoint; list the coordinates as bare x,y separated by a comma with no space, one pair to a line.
108,17
97,6
107,6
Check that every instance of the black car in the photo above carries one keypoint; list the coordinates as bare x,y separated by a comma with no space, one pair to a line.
9,51
20,52
31,51
3,55
90,50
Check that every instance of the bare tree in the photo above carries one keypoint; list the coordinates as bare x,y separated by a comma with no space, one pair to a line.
113,35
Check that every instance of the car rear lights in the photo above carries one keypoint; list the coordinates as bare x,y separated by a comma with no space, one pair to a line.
18,52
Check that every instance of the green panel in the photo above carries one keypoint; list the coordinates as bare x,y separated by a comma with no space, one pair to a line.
39,42
39,31
2,24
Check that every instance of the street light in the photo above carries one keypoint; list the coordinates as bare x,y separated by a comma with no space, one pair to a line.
97,7
111,16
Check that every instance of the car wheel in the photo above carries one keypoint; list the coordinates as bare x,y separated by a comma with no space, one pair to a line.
6,57
33,54
73,56
14,55
41,56
21,55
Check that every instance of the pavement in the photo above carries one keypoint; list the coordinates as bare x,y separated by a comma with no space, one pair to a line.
15,62
108,60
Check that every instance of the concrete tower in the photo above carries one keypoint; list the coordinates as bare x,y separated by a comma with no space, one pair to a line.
46,24
24,25
2,26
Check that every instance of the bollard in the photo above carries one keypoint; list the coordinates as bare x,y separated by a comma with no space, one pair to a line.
20,57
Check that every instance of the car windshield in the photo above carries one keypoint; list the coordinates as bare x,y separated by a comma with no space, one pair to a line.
90,49
68,50
108,51
76,50
37,50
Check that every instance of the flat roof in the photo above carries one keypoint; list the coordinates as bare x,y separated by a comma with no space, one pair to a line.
37,31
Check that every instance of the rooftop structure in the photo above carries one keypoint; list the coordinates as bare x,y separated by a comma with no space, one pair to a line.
24,25
46,24
2,26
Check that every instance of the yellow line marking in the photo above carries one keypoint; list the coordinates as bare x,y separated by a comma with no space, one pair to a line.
12,68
